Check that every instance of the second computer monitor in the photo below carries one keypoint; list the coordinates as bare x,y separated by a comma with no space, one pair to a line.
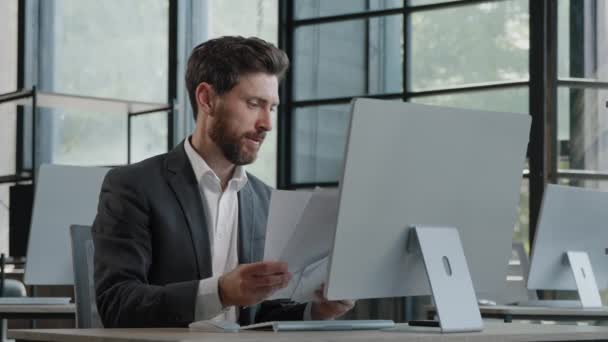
409,164
571,219
65,195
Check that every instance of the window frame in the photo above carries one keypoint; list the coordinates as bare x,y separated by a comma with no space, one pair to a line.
542,72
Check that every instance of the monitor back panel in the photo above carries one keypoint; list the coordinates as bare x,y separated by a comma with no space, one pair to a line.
571,219
409,164
64,195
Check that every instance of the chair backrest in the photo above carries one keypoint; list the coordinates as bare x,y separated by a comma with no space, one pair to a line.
13,288
84,285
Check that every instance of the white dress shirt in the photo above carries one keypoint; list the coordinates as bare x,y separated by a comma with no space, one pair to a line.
221,212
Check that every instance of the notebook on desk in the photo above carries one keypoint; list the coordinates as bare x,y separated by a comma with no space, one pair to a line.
321,325
34,300
337,325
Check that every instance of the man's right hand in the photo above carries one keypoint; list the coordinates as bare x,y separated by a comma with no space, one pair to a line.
249,284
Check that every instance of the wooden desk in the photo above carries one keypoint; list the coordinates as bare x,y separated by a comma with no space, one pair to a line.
508,313
22,311
494,331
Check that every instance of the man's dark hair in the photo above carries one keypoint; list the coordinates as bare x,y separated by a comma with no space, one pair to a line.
221,61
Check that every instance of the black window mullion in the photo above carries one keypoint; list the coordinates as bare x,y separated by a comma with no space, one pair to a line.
20,124
284,121
543,86
406,50
345,17
366,47
172,33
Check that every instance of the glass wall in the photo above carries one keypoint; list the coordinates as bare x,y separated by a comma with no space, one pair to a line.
473,55
582,136
261,21
582,96
89,48
8,115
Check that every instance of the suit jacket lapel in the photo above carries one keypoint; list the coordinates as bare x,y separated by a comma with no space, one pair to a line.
251,240
182,180
246,225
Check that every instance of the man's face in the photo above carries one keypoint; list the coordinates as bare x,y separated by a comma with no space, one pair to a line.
243,116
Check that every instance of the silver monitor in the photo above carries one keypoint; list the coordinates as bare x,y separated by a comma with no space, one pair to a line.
571,219
409,164
64,195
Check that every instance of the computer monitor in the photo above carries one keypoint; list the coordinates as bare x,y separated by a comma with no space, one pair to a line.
64,196
409,164
571,219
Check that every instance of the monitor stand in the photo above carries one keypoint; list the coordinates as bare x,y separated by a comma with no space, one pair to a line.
584,278
448,276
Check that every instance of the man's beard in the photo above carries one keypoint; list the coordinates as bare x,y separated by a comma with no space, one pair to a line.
231,145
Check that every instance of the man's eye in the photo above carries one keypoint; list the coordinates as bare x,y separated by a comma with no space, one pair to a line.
252,104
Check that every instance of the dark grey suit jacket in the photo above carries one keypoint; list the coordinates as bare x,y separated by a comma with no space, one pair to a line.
152,245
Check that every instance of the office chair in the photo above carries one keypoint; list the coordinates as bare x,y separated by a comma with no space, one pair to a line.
8,288
87,315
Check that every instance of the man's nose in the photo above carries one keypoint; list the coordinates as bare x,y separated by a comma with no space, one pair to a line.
265,120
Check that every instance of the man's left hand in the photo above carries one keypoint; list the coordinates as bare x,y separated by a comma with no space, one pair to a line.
329,309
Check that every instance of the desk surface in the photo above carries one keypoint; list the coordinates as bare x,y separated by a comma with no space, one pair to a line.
493,331
536,313
543,311
513,312
27,311
36,308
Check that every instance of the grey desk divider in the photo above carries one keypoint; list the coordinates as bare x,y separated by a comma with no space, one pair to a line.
64,195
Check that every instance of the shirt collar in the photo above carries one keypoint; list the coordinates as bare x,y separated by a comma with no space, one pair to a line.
204,174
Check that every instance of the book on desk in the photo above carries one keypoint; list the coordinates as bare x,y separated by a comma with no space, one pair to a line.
328,325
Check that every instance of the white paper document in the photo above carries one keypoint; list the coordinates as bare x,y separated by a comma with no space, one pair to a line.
300,231
286,208
310,280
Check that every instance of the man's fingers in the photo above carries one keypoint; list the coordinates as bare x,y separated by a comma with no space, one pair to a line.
261,293
264,268
348,304
269,281
319,296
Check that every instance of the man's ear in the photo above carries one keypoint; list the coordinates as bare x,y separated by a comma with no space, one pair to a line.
205,97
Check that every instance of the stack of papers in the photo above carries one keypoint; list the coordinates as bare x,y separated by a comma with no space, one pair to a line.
300,231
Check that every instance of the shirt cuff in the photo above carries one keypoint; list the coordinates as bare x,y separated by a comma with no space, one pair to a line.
208,304
307,312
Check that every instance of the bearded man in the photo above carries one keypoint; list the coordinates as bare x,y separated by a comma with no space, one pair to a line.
180,237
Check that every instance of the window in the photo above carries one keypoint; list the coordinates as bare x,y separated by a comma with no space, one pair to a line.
581,135
262,22
582,93
8,115
471,44
460,54
89,48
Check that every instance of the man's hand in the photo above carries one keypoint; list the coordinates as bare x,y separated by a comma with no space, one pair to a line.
249,284
327,309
